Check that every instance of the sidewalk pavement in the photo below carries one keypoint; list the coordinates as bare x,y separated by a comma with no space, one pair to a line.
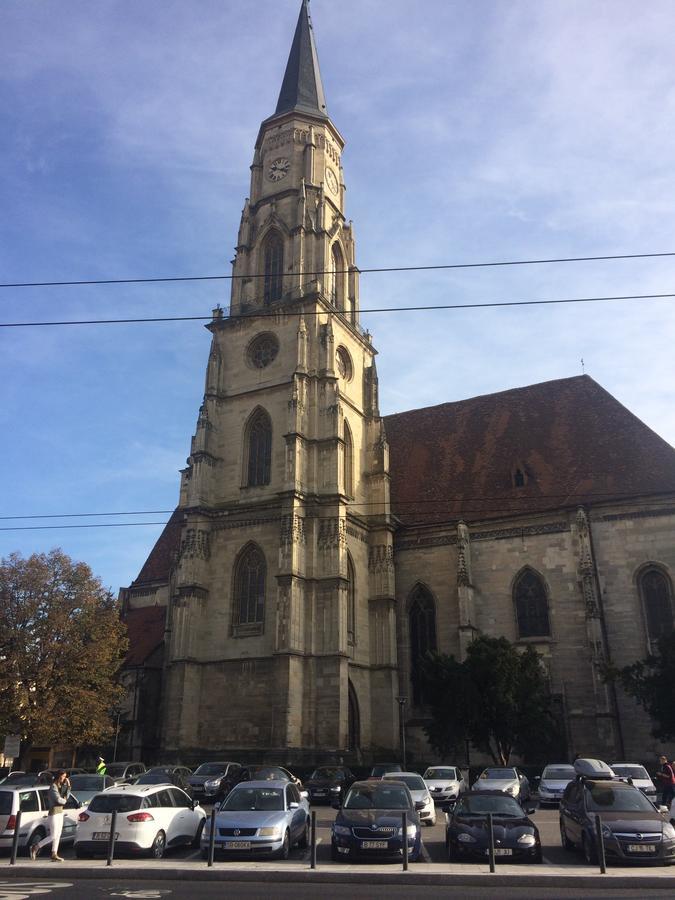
299,872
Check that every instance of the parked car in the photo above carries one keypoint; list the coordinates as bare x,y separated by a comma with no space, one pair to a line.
632,827
503,778
33,803
84,787
16,777
515,835
271,773
368,824
554,780
124,772
150,819
177,775
638,775
445,784
328,783
381,768
213,780
419,792
260,817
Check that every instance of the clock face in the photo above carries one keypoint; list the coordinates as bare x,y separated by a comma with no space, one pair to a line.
278,169
331,180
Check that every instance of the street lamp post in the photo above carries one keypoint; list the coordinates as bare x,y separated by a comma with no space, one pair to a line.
401,727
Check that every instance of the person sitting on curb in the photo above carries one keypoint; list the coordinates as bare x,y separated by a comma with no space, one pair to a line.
56,798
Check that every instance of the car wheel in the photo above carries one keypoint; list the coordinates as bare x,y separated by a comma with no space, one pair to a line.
285,847
564,840
158,846
303,843
198,835
588,848
34,839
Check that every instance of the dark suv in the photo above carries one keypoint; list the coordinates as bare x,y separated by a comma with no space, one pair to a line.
632,827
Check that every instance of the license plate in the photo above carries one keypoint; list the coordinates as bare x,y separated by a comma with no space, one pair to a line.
374,845
503,851
642,848
238,845
104,835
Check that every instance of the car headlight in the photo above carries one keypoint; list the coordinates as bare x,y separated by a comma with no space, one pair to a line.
513,790
466,838
527,840
543,789
272,831
336,789
668,832
214,782
341,829
412,831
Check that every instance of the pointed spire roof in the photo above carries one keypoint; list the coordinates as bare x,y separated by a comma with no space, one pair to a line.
302,88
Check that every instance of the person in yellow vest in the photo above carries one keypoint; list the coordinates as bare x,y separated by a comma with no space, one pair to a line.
100,768
56,800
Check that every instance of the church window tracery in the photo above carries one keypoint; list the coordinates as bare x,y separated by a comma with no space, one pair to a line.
351,601
263,350
336,277
259,449
249,587
273,256
348,461
656,591
531,602
422,635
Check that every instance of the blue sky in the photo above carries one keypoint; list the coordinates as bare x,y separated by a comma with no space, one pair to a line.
476,130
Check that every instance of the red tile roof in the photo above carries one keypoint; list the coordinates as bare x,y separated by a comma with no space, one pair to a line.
158,564
145,629
574,442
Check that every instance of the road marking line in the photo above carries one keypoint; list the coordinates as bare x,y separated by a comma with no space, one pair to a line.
425,854
548,861
194,855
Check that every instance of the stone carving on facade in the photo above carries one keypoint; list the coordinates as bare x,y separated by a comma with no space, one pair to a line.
195,545
293,530
283,606
381,558
332,533
463,556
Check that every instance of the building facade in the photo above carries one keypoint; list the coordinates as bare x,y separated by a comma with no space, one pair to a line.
318,549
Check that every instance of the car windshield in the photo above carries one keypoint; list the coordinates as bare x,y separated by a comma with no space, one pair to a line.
86,783
499,774
558,773
115,770
268,773
154,778
107,803
210,769
382,796
6,802
379,771
328,772
414,782
631,772
245,798
441,775
482,804
604,796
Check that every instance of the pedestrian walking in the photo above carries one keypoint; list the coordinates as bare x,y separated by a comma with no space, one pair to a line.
101,767
56,798
666,777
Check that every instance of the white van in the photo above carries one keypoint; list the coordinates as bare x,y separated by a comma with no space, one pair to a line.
33,803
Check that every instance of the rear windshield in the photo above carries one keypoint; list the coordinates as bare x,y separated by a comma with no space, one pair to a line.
107,803
86,783
559,773
6,802
244,798
441,774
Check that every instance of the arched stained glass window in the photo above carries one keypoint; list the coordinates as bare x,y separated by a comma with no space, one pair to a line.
351,601
259,449
249,587
422,632
657,598
274,267
348,462
531,602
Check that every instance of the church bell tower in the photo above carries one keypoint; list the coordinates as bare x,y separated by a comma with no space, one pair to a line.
281,619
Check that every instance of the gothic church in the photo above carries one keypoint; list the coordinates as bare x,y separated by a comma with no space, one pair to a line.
319,549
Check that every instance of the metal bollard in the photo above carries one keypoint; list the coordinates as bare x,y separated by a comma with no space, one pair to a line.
15,839
212,837
111,838
601,844
404,837
491,843
312,846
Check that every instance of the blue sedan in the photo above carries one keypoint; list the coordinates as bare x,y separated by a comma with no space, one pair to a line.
259,817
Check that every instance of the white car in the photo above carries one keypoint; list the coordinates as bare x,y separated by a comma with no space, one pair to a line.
554,780
32,801
639,776
418,791
150,819
445,784
503,778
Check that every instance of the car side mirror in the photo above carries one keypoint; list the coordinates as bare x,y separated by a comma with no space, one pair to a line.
293,805
419,805
304,795
530,810
663,809
194,804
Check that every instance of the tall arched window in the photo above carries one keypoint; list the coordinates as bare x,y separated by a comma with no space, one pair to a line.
351,601
337,277
259,449
348,462
422,630
274,267
656,592
248,606
531,602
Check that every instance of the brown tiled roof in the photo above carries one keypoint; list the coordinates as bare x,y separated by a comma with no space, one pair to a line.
574,442
145,629
158,564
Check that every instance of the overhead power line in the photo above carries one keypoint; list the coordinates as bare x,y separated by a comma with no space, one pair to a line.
382,309
368,270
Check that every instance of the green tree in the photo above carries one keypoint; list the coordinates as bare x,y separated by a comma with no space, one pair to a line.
650,681
61,645
498,699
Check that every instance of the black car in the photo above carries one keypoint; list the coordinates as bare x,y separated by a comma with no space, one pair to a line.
515,836
369,824
214,780
177,775
633,829
329,783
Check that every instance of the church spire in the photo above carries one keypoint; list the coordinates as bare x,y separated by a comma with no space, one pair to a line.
301,88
